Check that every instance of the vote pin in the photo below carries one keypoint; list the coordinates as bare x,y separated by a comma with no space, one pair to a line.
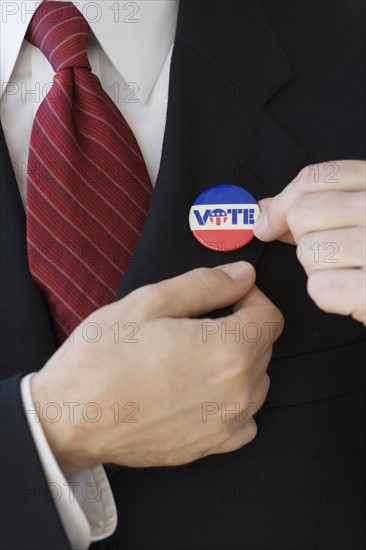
222,217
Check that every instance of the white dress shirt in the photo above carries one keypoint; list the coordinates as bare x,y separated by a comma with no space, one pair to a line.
130,50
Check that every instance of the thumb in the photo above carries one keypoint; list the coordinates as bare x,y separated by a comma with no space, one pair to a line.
266,221
196,292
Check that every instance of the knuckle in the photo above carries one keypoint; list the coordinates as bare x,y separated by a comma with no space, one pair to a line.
146,294
276,317
304,245
305,179
250,431
292,216
314,287
266,383
231,368
324,289
250,408
267,356
297,211
255,406
221,439
233,364
307,176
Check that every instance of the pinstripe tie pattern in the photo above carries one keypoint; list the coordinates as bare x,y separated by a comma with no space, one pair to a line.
88,190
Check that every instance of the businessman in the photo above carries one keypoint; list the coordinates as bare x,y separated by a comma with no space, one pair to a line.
126,342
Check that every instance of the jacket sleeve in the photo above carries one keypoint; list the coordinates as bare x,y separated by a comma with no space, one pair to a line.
29,519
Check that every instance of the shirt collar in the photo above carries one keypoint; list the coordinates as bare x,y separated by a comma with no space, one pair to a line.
136,36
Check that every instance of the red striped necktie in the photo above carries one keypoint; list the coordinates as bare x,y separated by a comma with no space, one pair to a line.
88,190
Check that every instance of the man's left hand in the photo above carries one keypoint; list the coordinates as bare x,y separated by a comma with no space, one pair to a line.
323,212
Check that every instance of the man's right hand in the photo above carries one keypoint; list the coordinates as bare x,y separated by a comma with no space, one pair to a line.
166,398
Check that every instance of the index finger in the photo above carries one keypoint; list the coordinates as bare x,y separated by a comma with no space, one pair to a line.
342,175
259,318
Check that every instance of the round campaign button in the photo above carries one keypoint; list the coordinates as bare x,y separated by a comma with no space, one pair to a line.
222,217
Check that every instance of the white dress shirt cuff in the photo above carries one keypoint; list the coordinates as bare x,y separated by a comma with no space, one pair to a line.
84,500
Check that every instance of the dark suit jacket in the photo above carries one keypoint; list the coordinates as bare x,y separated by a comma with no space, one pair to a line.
257,91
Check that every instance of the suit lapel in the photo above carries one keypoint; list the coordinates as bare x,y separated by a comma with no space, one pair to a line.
216,132
237,39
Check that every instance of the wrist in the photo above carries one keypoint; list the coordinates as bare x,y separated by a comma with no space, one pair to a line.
63,434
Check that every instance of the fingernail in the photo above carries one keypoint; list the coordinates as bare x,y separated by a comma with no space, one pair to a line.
261,225
238,271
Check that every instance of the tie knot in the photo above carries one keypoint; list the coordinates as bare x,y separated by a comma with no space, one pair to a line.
61,33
